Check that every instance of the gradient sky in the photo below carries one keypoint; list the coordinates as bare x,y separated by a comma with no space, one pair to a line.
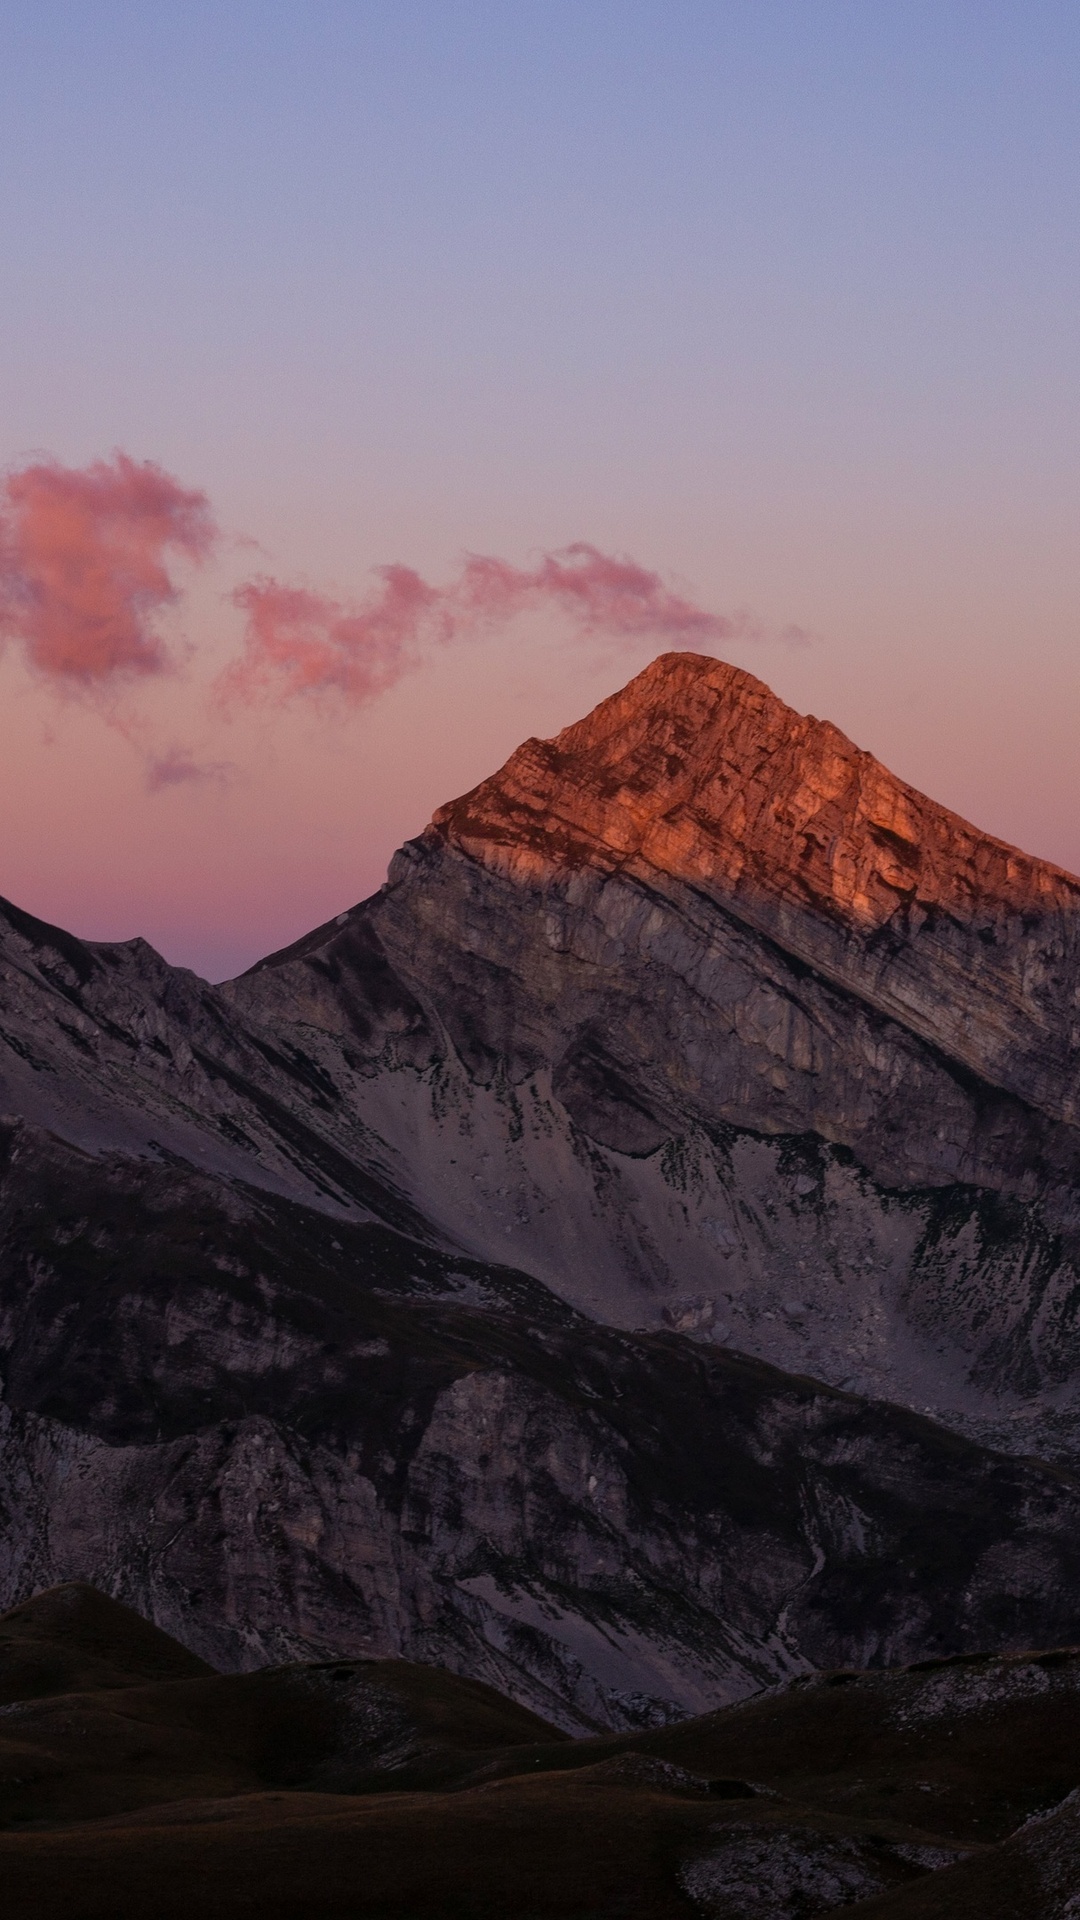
783,300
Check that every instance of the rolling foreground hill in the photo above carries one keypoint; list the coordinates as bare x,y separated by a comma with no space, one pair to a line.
630,1261
135,1782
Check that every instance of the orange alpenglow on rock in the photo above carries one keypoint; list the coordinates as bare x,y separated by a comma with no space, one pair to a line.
696,773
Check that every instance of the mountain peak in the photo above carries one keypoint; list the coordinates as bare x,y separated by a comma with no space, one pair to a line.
698,770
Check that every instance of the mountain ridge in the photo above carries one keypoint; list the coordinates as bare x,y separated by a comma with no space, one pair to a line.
684,707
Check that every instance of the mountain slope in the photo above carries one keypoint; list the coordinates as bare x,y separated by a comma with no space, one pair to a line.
283,1435
376,1788
703,1017
544,1268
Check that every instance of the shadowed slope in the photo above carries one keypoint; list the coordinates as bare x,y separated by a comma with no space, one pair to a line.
294,1791
287,1436
72,1637
105,1745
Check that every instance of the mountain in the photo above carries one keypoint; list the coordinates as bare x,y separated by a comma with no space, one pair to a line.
630,1260
383,1789
740,1034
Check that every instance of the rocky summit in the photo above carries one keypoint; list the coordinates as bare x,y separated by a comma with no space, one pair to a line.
631,1261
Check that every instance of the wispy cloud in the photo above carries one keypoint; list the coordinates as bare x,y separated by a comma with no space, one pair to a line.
87,565
178,767
83,570
602,594
298,642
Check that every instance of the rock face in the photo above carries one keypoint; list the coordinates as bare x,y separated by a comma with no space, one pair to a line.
284,1435
706,1019
696,777
516,1271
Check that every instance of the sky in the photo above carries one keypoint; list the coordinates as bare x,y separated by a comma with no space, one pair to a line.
382,385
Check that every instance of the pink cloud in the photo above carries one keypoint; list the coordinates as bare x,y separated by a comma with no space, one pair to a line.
83,564
601,594
85,557
300,642
303,642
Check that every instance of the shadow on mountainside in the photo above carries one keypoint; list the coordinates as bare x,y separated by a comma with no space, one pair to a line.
136,1782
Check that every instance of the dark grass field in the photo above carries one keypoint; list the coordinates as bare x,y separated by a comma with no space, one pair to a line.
135,1782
